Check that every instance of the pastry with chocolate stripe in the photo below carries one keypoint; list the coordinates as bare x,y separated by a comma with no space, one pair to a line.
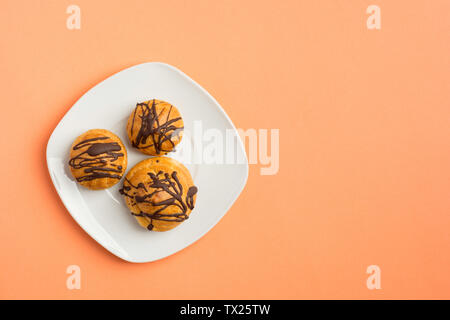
155,127
98,159
160,193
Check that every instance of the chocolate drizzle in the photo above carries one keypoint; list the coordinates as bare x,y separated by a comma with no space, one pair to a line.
162,182
190,197
95,159
151,128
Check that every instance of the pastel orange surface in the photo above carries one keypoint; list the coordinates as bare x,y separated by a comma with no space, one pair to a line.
364,145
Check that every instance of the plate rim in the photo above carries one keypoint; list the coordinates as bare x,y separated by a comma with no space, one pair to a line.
240,144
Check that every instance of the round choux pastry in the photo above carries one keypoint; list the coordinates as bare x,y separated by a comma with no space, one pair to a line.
98,159
155,127
160,193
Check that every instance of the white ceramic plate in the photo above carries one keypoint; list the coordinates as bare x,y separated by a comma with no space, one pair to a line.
103,214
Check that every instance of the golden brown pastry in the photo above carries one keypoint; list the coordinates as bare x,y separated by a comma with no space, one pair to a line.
160,193
98,159
155,127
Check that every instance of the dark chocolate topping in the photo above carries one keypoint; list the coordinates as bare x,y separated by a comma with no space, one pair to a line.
190,197
162,182
154,128
95,159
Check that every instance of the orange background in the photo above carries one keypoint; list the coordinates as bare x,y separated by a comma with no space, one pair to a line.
364,145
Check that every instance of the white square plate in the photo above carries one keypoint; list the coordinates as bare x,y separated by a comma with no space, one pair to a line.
103,214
